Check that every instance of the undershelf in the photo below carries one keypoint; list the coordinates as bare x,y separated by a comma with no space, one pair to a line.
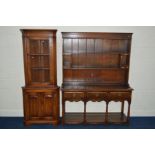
94,118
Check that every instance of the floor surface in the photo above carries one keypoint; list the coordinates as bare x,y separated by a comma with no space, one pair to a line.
135,123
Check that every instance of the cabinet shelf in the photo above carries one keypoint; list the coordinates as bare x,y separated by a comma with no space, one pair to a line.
100,68
39,54
40,68
97,53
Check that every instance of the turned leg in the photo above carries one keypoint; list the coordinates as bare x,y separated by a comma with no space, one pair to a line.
85,104
122,108
63,110
106,114
128,115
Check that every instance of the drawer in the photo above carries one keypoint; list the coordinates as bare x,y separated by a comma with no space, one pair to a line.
96,96
120,95
74,96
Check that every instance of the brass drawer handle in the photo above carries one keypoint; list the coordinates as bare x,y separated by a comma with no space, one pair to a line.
111,61
92,75
97,95
74,95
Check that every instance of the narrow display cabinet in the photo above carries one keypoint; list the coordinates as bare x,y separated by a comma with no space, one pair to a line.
96,68
41,93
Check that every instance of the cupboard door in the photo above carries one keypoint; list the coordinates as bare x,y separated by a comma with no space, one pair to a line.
32,105
48,104
39,105
39,61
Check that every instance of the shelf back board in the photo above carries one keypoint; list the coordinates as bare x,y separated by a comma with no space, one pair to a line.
96,57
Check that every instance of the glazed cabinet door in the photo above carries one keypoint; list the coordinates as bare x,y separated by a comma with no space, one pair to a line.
39,61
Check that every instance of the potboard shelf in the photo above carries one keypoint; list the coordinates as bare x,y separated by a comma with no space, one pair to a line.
95,118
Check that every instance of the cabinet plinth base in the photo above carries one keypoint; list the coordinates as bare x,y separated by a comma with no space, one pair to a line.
32,122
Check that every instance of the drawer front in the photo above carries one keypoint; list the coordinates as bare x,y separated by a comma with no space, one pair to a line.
74,96
40,90
96,96
120,95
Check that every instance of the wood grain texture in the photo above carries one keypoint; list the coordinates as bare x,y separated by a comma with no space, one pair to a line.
95,118
96,68
41,94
